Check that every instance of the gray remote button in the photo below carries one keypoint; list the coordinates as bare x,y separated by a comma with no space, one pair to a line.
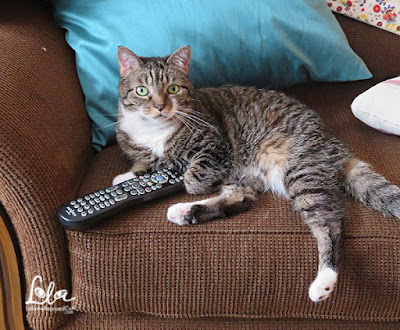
141,191
135,185
154,187
136,179
125,184
173,176
102,192
102,198
72,202
90,211
147,176
102,205
171,181
169,172
127,189
96,207
80,209
87,198
112,202
107,203
76,206
121,197
84,214
92,196
181,177
159,185
119,191
79,200
97,200
177,180
107,196
108,190
87,207
113,194
97,194
134,192
92,202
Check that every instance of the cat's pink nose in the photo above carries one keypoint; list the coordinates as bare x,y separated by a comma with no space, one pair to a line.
159,106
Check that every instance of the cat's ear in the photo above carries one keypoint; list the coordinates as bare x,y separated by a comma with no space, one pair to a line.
181,58
128,60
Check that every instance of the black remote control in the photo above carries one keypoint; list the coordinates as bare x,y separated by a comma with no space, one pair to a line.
89,210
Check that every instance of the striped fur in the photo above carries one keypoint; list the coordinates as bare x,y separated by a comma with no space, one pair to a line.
244,141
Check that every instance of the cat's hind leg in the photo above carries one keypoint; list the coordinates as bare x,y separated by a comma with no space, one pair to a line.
233,199
321,207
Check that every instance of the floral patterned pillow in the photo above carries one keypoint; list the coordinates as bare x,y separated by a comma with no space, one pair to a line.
384,14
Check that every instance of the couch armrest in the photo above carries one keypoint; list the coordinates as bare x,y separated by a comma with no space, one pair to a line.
379,49
45,143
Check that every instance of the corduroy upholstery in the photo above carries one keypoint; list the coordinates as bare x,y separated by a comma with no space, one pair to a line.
253,267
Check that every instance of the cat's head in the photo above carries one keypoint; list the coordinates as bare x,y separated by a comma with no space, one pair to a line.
156,87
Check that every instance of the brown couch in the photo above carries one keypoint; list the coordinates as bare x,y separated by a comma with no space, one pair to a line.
139,270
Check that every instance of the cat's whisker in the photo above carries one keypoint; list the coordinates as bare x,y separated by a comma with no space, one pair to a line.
189,125
184,123
102,127
198,120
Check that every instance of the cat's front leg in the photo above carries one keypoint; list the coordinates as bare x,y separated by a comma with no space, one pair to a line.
137,169
202,180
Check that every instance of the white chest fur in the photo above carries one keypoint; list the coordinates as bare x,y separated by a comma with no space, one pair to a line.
144,132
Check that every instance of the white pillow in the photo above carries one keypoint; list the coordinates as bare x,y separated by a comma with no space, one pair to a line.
379,106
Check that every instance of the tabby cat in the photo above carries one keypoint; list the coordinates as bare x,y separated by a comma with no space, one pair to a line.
242,141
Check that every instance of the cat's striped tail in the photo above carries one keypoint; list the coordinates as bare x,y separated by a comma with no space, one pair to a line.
371,188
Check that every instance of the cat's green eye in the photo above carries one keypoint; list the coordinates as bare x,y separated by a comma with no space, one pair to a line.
173,89
142,91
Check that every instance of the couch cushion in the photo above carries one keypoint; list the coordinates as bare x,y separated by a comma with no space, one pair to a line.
257,264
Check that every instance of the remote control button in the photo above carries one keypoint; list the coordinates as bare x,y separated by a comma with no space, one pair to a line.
84,214
113,194
92,202
159,178
126,189
111,201
107,203
79,200
97,200
96,207
76,206
136,179
97,194
87,197
72,202
181,178
143,184
141,177
87,207
102,206
106,196
135,185
148,189
159,171
154,187
141,191
90,211
92,196
173,176
159,185
171,181
134,192
119,191
108,190
169,172
80,209
150,183
165,170
102,198
121,197
147,176
146,180
177,180
83,203
125,184
102,192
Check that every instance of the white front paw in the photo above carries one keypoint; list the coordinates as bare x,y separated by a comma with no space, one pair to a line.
122,177
176,213
323,285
